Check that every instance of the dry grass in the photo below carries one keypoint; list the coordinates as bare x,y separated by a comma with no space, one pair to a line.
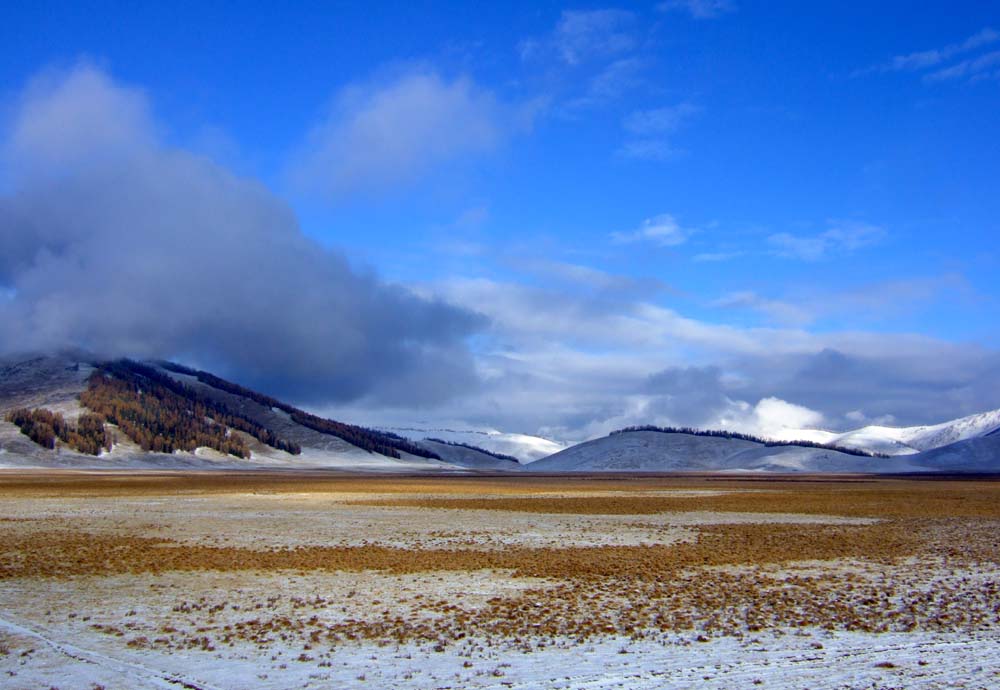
70,553
929,563
889,499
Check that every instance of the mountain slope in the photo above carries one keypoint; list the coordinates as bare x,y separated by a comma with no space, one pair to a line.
903,440
259,428
524,447
658,451
979,454
470,457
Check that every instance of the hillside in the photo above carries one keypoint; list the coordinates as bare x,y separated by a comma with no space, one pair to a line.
903,440
658,451
470,456
524,447
161,415
978,454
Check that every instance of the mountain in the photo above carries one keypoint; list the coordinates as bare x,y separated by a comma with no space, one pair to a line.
903,440
677,451
524,447
978,454
71,408
470,456
970,444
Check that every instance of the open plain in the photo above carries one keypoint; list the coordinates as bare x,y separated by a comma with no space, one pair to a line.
318,580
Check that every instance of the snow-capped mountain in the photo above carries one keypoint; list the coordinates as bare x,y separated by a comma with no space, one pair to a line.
660,451
524,447
903,440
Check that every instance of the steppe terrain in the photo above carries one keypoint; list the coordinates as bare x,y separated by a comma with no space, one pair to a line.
294,580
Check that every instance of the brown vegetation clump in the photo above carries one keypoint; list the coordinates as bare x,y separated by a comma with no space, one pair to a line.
873,499
45,427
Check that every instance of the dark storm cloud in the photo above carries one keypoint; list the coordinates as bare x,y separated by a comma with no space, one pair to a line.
688,396
117,243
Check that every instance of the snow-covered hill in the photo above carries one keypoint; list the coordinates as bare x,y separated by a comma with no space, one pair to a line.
979,454
524,447
471,458
657,451
903,440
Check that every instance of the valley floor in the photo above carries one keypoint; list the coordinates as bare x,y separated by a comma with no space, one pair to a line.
294,580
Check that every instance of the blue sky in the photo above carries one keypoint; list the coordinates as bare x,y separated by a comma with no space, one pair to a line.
758,200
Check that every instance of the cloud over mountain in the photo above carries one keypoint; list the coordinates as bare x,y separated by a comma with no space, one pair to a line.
116,242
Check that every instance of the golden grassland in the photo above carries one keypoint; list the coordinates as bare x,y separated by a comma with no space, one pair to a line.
929,559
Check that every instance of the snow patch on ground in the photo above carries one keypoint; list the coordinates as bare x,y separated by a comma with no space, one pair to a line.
39,657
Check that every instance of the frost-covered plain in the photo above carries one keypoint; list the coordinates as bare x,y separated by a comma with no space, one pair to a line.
313,581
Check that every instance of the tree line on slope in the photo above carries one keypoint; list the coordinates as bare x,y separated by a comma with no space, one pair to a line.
45,427
163,415
158,420
770,443
371,440
459,444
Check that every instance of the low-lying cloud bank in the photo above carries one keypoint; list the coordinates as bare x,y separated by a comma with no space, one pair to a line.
575,360
115,242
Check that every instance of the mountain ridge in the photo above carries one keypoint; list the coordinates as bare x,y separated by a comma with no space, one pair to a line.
201,421
904,440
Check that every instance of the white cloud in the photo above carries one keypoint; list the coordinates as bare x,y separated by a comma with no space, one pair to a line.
773,415
647,149
663,230
63,122
717,256
611,82
658,120
585,276
699,9
968,68
582,35
859,418
873,300
841,238
929,58
774,310
649,130
390,133
936,59
572,359
589,59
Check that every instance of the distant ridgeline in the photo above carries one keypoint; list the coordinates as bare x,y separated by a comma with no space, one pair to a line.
382,442
459,444
748,437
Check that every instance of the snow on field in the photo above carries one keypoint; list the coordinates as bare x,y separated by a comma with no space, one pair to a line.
40,658
242,623
273,520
